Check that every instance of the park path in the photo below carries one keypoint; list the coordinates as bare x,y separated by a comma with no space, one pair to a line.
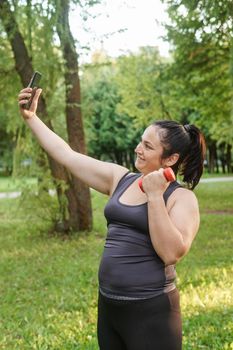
9,194
210,179
17,194
218,179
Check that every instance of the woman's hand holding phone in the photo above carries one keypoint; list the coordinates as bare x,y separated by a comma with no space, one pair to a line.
24,96
28,97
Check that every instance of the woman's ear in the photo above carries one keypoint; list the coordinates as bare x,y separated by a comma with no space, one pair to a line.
171,160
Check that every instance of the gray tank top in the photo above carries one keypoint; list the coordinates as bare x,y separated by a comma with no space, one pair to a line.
130,267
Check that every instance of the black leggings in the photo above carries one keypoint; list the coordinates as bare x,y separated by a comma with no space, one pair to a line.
149,324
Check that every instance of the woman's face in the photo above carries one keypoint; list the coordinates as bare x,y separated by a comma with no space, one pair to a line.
149,151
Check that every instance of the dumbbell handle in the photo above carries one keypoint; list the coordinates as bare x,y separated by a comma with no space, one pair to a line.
168,173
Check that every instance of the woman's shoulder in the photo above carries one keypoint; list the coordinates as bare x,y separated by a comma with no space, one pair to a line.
183,192
122,174
119,172
182,196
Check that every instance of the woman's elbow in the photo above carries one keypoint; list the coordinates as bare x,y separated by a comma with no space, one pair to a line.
174,257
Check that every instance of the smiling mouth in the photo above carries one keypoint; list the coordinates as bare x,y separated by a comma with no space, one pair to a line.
140,158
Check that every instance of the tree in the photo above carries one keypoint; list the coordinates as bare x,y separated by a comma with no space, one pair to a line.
79,217
111,135
201,35
80,210
141,87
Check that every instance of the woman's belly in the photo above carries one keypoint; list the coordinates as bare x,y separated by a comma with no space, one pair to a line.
130,266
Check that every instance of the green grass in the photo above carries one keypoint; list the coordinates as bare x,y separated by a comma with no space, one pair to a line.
48,285
205,274
215,196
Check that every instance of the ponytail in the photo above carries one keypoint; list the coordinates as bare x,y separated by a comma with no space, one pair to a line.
189,143
192,166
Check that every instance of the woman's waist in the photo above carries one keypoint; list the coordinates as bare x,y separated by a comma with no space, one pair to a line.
135,276
131,266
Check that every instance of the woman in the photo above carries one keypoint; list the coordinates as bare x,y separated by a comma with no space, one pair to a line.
148,232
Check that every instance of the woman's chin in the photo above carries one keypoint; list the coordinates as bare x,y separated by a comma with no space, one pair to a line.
138,166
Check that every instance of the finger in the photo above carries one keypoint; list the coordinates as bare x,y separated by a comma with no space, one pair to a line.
24,95
161,170
161,173
27,89
37,95
35,99
22,102
38,92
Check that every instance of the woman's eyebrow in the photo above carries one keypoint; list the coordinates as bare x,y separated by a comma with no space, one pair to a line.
148,142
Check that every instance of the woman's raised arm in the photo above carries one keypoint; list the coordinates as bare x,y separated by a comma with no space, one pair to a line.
102,176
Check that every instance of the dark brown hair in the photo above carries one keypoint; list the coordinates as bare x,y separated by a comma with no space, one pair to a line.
188,141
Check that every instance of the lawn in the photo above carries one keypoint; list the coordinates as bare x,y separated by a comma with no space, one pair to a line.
48,285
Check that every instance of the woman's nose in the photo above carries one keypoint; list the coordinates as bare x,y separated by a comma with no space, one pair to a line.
138,148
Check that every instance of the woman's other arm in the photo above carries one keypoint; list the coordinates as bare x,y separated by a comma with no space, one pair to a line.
172,227
172,231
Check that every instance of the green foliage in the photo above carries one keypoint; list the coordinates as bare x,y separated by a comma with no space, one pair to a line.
40,40
122,97
48,286
37,23
111,134
6,150
140,85
9,84
201,34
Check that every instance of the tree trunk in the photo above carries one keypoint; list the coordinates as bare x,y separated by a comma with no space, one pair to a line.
222,156
229,159
212,157
80,214
25,70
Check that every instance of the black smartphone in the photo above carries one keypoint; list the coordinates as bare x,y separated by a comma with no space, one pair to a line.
34,84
